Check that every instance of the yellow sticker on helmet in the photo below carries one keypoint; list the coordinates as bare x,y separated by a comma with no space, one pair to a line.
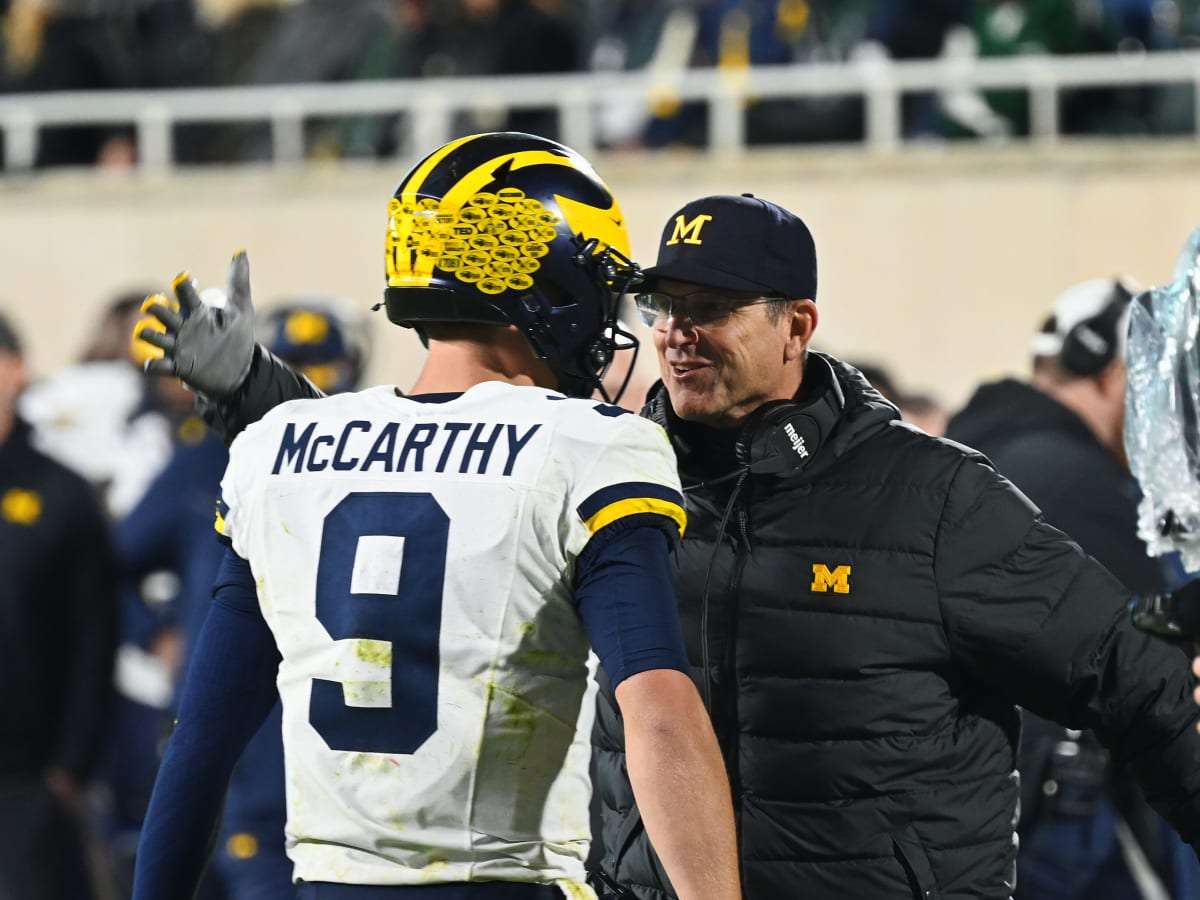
492,240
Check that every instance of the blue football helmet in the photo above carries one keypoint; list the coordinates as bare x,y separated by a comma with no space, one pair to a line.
513,229
322,338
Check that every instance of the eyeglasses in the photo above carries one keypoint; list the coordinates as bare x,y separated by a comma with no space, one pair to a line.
704,307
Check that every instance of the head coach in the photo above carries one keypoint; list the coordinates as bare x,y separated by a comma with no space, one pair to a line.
864,606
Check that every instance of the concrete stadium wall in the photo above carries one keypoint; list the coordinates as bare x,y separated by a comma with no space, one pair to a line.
938,263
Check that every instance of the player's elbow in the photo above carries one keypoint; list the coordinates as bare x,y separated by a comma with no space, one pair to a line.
661,704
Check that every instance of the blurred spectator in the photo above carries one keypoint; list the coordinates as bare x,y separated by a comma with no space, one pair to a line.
57,635
1059,439
263,42
917,29
925,412
501,37
172,529
735,34
100,418
921,410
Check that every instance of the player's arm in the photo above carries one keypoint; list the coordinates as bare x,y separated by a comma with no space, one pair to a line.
213,352
229,689
626,598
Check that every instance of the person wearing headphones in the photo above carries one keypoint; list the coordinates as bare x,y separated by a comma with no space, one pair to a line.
1059,438
864,607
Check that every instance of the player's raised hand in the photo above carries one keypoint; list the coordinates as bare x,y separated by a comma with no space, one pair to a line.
210,349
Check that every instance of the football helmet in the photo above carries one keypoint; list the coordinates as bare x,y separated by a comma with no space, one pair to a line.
513,229
322,337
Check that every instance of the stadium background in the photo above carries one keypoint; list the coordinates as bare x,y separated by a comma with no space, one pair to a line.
938,263
940,253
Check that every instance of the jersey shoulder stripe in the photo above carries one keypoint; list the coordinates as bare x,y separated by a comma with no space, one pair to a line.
631,498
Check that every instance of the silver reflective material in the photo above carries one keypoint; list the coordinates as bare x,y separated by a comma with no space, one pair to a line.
1162,410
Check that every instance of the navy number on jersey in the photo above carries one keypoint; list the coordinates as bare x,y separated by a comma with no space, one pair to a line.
379,582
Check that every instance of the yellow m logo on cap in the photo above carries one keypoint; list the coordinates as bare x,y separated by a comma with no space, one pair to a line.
688,232
823,579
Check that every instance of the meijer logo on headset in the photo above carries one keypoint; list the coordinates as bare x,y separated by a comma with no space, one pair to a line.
797,441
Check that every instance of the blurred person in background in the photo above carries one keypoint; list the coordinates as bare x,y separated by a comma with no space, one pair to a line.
1059,439
61,45
170,530
57,639
501,37
733,35
920,409
101,418
271,42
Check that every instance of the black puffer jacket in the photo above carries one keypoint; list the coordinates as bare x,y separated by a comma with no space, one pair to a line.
870,732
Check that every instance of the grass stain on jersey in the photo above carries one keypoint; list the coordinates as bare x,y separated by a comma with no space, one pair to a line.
432,870
375,653
369,694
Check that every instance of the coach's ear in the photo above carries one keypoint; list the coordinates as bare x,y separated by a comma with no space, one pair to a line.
801,322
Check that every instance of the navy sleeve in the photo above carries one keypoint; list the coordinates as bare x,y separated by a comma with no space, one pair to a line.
626,597
229,689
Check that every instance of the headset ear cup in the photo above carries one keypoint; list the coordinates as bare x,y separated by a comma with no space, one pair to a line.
1077,357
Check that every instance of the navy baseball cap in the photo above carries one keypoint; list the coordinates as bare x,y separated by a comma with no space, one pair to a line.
740,243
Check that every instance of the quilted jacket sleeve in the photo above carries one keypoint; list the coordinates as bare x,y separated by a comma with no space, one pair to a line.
1031,617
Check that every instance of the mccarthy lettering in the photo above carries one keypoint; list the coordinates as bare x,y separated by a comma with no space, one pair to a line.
464,448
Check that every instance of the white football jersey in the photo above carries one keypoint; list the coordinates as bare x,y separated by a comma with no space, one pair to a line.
414,561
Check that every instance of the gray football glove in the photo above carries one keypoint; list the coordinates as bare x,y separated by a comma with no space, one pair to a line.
209,349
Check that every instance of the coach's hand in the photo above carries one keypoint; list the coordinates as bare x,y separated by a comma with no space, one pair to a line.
209,349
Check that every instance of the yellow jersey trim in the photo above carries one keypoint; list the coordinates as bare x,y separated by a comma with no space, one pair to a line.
635,506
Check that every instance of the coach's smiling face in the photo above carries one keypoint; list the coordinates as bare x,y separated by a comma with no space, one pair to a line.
718,372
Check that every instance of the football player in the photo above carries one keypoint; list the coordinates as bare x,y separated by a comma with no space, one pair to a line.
422,573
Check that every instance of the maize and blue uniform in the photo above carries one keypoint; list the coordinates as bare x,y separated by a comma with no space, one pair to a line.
422,580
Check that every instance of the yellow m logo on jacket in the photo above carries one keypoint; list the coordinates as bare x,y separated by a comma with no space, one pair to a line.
823,579
688,232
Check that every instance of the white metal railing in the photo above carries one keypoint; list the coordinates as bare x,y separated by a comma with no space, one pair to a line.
429,104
